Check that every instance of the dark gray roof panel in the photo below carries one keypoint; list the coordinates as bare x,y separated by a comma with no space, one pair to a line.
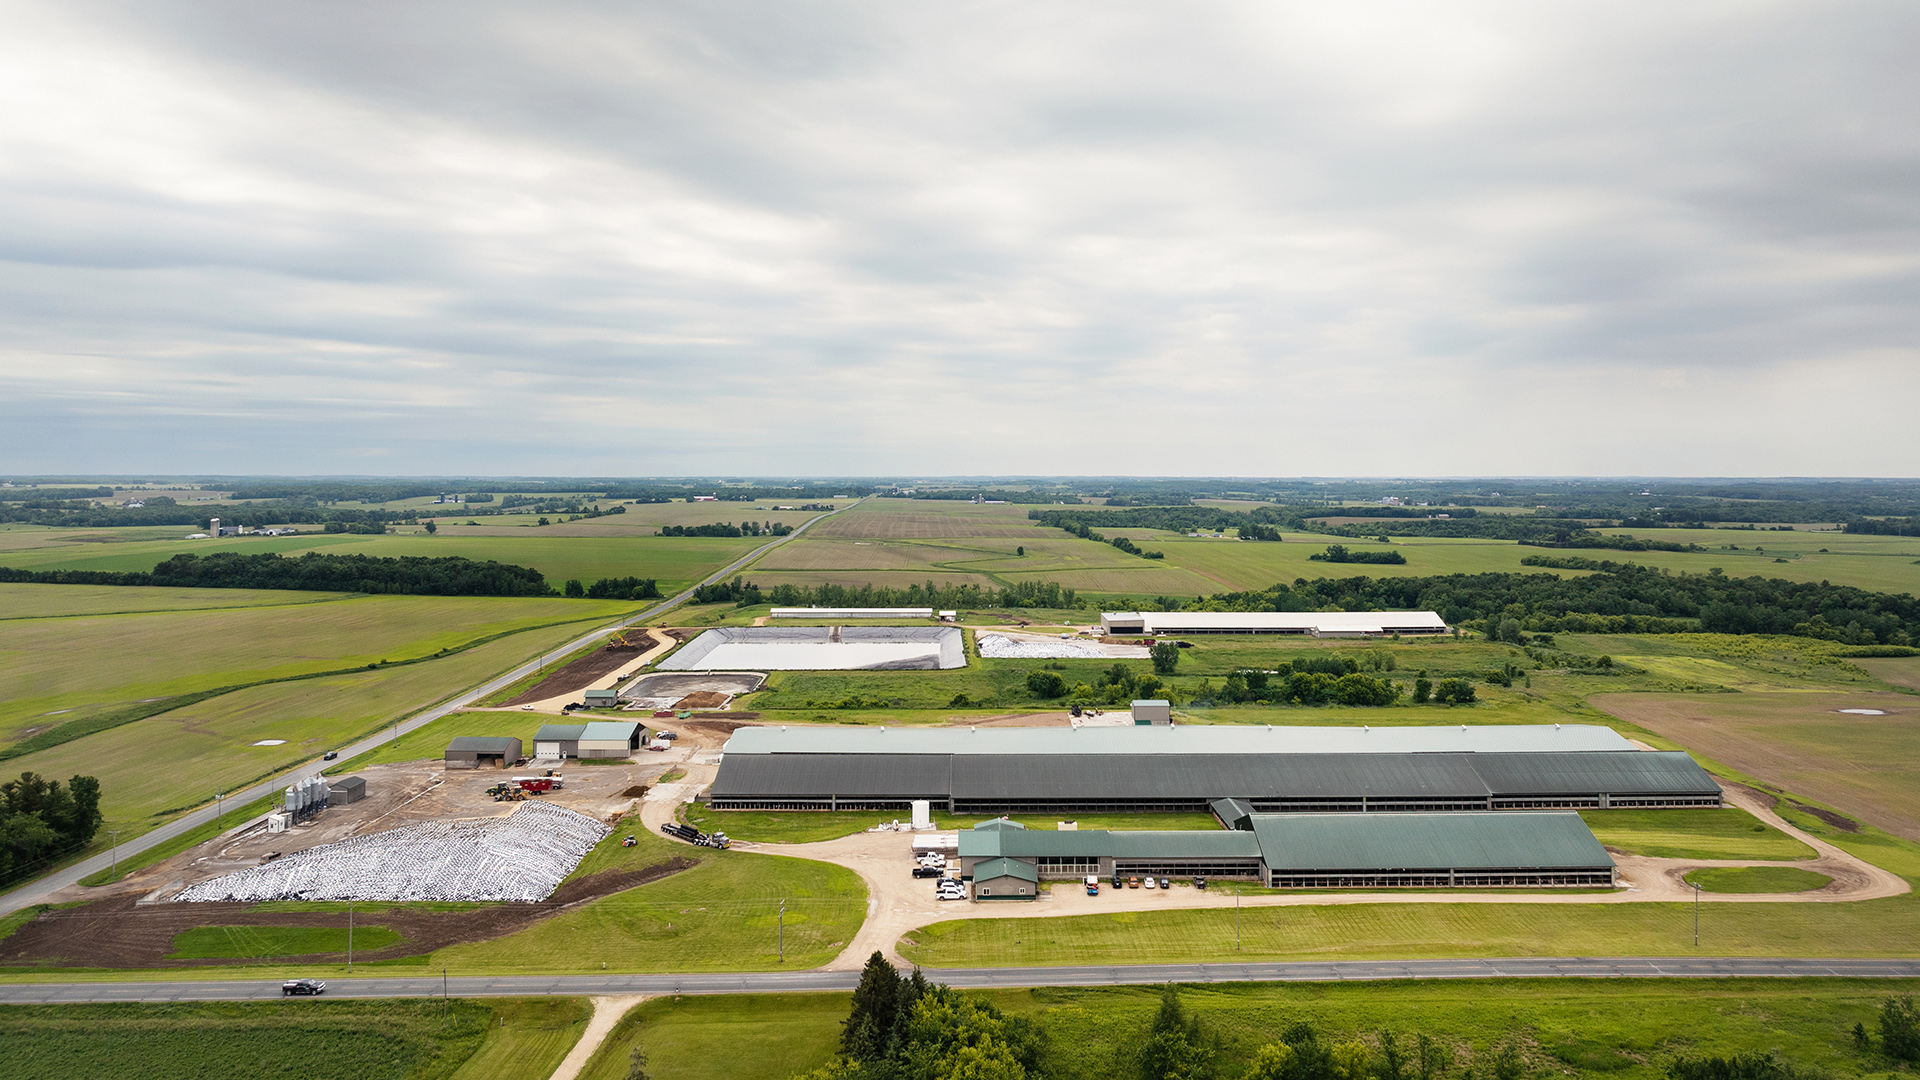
1093,843
1208,776
844,775
1608,772
484,744
1454,841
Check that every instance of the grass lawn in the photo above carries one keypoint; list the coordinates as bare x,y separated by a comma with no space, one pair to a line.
1438,929
356,1040
722,915
737,1037
18,601
806,826
1728,833
255,942
528,1039
1757,879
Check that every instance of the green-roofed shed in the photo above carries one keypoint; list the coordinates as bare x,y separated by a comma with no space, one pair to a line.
1322,851
1005,879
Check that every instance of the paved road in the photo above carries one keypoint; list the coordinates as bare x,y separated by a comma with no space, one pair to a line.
978,978
37,891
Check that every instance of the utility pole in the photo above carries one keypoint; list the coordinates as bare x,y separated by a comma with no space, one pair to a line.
349,937
1236,918
1696,914
218,812
783,931
443,993
113,854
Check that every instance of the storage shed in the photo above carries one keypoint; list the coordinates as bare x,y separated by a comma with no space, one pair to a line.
346,789
558,740
1005,879
475,751
609,739
1150,711
601,699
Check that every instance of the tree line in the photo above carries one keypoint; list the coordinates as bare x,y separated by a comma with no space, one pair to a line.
41,820
316,571
1339,553
745,528
1021,594
1080,529
1619,598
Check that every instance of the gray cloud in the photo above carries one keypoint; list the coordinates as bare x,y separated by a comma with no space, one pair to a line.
863,238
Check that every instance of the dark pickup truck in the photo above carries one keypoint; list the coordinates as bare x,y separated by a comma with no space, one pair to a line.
302,986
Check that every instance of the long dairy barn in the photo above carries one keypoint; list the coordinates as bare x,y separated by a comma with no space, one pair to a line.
1320,624
1269,769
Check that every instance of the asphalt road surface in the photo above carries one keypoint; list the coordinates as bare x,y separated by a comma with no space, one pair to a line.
37,891
976,978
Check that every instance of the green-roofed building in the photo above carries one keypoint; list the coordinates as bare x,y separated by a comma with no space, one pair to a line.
1005,879
1316,851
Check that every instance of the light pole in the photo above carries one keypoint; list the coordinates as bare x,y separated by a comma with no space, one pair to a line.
1236,918
113,854
349,937
1696,913
783,931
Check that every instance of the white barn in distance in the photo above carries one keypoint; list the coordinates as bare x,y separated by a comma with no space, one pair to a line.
1320,624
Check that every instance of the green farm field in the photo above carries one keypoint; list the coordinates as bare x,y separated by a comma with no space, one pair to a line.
675,562
178,759
65,601
358,1040
1626,1028
55,670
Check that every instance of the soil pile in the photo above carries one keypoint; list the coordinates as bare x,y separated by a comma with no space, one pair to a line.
587,670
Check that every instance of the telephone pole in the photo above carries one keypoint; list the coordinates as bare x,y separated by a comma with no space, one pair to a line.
783,931
1236,918
349,937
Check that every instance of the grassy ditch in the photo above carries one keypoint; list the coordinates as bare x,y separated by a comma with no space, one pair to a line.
267,942
1726,833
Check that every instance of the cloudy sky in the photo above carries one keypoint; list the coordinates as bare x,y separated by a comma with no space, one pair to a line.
895,238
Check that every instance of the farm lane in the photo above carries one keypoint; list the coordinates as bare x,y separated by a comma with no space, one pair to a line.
607,1011
40,889
471,986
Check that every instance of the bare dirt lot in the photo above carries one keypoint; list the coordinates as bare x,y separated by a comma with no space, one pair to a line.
129,924
588,670
1868,766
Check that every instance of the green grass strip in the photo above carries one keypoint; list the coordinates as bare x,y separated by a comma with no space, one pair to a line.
161,852
1757,879
265,942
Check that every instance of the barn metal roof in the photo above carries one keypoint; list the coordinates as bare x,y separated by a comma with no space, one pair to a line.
1194,777
1013,868
1325,622
559,732
1451,841
608,730
1093,843
1176,739
483,744
1642,772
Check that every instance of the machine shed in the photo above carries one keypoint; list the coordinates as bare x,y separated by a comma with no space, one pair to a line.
1321,851
475,751
558,740
610,739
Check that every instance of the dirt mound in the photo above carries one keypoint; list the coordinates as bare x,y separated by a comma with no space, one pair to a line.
587,670
703,699
119,933
637,791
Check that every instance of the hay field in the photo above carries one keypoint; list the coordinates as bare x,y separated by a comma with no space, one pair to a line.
56,670
675,561
179,759
925,519
1867,766
61,601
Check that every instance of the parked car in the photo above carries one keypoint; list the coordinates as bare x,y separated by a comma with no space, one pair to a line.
1149,882
926,871
1118,881
1199,883
1133,883
526,708
1166,883
658,748
669,735
303,987
1093,885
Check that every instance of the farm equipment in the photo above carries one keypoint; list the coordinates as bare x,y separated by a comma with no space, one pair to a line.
619,640
507,793
694,836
